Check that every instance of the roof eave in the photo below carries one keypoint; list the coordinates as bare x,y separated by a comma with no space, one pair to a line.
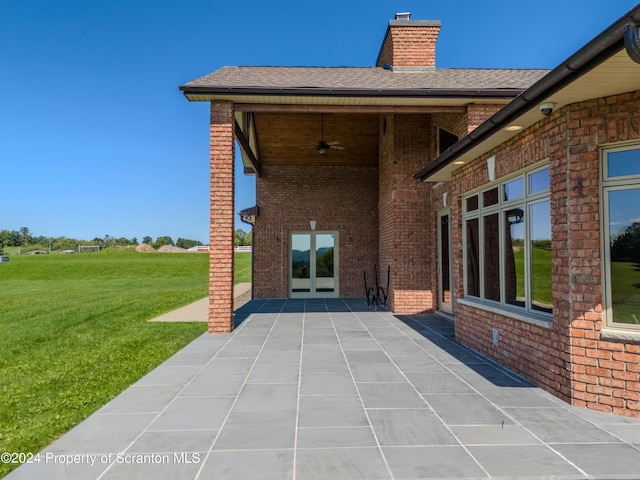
191,91
588,57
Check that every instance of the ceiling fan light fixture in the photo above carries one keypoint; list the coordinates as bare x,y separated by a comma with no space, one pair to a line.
323,147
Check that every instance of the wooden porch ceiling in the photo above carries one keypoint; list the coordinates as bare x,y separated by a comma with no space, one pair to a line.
285,138
286,134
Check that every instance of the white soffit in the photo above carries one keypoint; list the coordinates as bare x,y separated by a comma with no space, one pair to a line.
619,74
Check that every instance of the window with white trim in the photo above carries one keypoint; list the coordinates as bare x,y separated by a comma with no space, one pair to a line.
621,235
507,237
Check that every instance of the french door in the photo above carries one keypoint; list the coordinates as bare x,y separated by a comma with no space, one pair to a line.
313,265
445,280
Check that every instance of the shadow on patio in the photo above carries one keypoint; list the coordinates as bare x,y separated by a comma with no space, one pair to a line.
433,328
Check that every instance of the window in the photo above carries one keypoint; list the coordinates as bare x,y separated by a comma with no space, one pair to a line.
621,235
445,140
507,235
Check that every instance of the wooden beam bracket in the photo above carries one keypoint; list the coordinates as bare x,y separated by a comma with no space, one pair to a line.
246,148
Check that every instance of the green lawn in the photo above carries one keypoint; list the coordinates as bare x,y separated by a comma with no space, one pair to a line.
74,334
242,267
541,275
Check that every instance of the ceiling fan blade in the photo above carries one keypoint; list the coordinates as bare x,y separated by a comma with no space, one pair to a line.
336,147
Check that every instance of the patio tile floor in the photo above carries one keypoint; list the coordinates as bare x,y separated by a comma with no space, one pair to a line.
330,389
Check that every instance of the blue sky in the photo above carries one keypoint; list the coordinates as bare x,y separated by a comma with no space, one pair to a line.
96,138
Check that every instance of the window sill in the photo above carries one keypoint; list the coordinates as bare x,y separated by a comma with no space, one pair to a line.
542,322
614,334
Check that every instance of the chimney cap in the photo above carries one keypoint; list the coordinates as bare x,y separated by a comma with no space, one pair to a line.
403,16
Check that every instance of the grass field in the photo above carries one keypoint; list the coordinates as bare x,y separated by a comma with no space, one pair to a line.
242,267
541,275
625,292
74,333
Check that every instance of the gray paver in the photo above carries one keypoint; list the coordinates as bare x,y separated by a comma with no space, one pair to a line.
274,374
331,410
528,461
246,431
450,462
603,459
193,413
214,384
335,437
341,464
324,365
377,373
102,434
544,423
439,382
173,441
329,389
327,384
494,435
390,395
285,356
165,467
404,427
141,399
266,398
169,375
249,465
467,409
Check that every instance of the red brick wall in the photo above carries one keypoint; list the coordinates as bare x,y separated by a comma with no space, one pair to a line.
222,218
405,218
606,374
569,359
462,123
409,47
338,198
477,113
455,123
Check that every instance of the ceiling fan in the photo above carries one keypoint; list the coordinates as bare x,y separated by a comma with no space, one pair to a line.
323,147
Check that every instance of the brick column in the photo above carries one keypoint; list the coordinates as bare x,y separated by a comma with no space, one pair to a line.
222,211
403,219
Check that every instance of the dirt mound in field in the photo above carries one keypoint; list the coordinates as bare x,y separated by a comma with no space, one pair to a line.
144,248
171,249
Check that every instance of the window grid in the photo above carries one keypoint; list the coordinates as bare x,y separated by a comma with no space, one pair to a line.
492,203
621,181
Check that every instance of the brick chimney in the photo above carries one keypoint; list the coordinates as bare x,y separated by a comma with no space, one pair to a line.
409,44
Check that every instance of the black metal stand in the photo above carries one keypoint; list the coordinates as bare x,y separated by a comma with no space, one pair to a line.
378,295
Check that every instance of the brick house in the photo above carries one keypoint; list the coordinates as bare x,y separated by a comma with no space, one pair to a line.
499,198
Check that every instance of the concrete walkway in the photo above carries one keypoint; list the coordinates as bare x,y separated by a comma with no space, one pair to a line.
312,390
199,311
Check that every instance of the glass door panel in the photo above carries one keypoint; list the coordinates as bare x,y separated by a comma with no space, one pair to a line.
325,271
444,263
301,262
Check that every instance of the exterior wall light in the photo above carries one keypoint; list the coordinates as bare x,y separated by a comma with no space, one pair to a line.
491,168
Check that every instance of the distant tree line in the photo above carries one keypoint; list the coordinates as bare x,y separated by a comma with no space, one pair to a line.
26,240
625,247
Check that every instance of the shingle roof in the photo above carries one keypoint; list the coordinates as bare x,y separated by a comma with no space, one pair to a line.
362,80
